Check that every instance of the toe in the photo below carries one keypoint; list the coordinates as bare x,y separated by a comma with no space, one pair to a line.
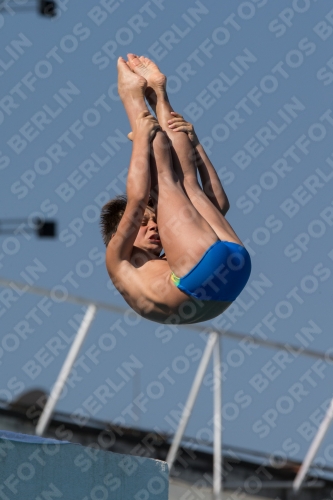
122,64
133,60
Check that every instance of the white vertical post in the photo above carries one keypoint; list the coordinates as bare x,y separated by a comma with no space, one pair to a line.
213,338
217,462
65,370
312,451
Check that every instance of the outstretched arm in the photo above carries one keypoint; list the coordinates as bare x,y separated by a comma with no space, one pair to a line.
138,189
211,183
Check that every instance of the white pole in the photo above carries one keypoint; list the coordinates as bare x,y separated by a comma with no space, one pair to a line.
312,451
217,464
213,337
65,370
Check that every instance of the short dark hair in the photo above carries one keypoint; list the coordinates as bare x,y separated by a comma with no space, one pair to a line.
111,215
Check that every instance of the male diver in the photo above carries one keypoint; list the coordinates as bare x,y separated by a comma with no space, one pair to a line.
205,265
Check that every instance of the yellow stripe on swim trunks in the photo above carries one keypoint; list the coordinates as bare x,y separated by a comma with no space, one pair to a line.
174,279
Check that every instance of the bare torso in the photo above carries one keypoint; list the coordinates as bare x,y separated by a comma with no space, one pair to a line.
149,290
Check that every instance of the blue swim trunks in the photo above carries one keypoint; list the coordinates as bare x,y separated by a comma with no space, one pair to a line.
221,273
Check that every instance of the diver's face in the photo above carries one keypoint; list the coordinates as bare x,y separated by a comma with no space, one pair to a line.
148,238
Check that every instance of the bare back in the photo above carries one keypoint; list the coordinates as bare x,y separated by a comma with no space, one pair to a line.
150,292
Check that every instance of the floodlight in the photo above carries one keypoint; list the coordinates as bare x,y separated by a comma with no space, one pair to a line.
47,8
42,228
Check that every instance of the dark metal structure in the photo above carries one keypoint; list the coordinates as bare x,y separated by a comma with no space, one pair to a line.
42,228
46,8
246,473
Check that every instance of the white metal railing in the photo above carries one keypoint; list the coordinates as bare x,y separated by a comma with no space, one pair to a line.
314,447
213,347
65,370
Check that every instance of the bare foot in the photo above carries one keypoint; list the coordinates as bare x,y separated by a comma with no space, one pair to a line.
130,84
150,71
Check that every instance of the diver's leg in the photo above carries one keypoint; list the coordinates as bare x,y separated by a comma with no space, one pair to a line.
184,233
183,156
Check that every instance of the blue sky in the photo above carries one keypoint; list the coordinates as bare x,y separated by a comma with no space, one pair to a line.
256,79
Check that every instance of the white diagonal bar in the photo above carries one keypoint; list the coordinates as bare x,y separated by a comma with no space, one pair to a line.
65,370
217,462
312,451
46,292
212,339
298,350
